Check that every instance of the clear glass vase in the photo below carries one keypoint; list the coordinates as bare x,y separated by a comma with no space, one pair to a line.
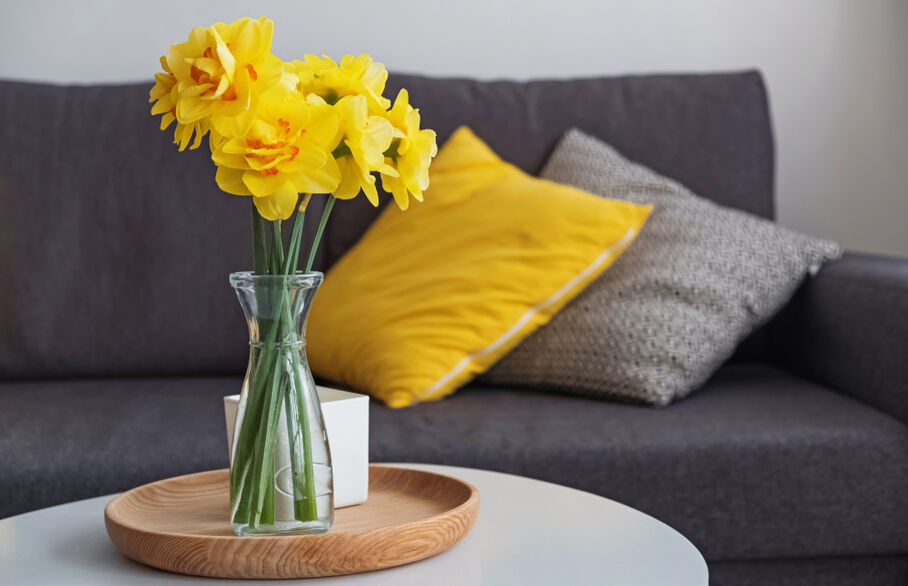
280,463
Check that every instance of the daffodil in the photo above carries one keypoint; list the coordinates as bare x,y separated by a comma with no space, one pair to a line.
220,69
276,131
354,76
286,151
410,153
164,96
365,138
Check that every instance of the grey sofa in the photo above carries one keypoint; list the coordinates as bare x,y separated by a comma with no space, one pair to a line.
119,333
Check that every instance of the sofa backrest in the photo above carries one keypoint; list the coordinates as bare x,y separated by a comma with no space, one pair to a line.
115,248
710,132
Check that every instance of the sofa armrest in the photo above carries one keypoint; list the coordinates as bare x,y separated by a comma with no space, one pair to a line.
847,328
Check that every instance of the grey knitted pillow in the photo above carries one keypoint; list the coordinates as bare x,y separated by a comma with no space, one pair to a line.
673,308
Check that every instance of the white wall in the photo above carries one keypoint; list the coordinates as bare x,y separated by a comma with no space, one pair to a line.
837,70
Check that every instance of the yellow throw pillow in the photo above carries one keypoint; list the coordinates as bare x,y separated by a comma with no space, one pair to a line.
433,296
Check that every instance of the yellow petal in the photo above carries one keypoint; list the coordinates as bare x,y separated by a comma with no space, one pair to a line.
309,157
376,140
246,44
227,159
266,208
182,135
323,179
224,55
189,111
231,181
370,191
395,187
166,119
280,205
351,179
198,135
262,185
160,107
323,126
243,87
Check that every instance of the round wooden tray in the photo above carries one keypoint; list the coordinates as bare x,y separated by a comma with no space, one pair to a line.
181,525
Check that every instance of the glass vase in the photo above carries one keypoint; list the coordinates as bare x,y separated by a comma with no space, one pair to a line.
280,462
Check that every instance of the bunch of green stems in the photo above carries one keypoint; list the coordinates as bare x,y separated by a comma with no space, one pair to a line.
276,381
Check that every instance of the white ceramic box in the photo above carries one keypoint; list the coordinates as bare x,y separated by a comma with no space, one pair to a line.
347,423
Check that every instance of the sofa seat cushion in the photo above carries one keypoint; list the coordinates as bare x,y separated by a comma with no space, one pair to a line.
757,464
62,441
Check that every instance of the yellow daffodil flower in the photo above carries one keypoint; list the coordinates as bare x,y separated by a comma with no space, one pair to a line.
355,76
286,151
164,95
361,150
410,153
277,130
219,70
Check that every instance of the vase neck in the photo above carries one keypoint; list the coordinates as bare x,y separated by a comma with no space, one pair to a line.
276,307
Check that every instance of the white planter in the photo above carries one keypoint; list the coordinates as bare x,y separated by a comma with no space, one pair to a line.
347,423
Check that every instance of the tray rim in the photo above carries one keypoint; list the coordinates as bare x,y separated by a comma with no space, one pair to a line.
474,494
468,509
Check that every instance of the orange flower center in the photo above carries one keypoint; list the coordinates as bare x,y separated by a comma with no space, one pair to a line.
266,156
212,79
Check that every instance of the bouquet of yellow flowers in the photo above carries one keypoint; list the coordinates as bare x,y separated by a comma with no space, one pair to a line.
280,132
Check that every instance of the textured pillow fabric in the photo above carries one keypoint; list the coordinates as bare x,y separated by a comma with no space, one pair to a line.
654,327
432,296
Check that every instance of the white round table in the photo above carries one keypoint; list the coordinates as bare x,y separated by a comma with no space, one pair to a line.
528,532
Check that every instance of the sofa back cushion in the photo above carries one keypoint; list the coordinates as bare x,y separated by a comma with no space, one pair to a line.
710,132
115,248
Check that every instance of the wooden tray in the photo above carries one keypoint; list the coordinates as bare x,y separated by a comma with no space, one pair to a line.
181,525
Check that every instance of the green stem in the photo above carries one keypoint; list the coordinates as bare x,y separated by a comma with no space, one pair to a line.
252,468
241,467
259,250
243,474
293,253
264,448
296,463
240,502
243,453
277,243
318,233
310,512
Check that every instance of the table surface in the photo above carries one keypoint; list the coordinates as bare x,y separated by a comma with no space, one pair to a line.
528,532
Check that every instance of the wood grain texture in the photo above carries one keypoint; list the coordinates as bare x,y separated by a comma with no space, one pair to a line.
182,525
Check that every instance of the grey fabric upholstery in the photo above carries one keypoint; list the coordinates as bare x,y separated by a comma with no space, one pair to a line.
758,464
67,440
116,248
710,132
848,328
842,571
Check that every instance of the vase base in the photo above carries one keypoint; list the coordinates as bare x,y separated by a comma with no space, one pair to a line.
284,528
